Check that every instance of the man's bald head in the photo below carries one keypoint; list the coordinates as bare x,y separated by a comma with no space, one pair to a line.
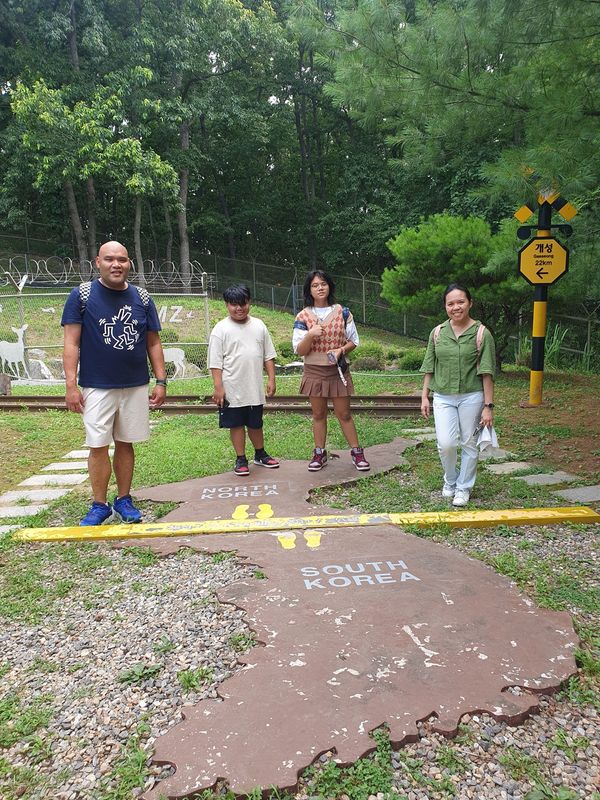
113,264
112,246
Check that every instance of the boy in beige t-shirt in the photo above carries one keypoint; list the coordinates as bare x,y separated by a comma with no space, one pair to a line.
239,349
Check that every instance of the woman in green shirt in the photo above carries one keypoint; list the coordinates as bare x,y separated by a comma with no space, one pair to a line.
459,368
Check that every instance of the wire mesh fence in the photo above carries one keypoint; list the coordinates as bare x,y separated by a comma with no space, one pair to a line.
31,334
33,291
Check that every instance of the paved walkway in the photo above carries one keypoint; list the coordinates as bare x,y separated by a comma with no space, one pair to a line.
59,477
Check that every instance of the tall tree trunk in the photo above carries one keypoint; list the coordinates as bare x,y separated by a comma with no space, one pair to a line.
77,229
72,37
169,247
152,231
410,10
137,242
184,179
317,136
225,211
305,179
91,212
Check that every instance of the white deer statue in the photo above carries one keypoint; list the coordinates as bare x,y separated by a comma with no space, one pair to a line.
13,353
177,356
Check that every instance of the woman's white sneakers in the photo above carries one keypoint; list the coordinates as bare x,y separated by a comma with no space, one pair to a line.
448,490
461,497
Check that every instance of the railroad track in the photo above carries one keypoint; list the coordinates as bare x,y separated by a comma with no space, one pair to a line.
377,405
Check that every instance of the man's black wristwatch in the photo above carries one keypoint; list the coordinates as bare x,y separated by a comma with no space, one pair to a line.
488,405
161,381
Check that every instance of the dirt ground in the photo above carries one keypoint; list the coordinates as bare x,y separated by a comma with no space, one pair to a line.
564,432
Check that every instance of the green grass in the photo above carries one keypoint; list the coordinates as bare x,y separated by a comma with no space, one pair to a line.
192,680
164,646
32,440
139,673
521,766
80,570
365,777
18,720
241,641
568,745
131,769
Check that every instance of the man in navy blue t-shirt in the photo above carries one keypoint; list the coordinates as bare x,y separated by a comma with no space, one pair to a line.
110,331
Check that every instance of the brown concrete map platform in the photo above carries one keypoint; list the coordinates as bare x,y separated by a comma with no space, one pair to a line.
359,627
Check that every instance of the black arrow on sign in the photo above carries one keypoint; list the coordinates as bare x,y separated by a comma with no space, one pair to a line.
541,271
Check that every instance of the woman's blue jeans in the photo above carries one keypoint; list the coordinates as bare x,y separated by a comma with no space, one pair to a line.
456,417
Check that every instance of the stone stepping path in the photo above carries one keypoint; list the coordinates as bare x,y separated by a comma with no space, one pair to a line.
32,494
8,528
21,511
59,479
71,479
547,479
65,466
64,475
581,494
507,467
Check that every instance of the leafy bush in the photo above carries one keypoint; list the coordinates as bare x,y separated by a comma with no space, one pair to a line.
285,350
367,364
369,351
412,360
198,355
394,354
523,351
555,337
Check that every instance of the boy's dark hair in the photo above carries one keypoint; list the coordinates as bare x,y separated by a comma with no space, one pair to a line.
460,288
318,273
237,295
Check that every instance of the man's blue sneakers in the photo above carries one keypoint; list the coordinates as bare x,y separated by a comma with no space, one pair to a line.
125,510
98,514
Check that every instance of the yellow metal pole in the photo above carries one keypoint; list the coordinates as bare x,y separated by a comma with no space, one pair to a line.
538,328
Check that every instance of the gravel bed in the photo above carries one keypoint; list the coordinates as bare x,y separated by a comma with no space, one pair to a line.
73,662
165,615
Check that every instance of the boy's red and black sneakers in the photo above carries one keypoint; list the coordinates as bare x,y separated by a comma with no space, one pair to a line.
241,466
263,459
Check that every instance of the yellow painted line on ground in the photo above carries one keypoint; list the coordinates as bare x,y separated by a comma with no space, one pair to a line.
456,519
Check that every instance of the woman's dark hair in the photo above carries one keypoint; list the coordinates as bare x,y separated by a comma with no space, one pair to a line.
237,295
460,288
318,273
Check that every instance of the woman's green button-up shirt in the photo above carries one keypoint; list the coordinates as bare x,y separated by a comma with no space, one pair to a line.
454,361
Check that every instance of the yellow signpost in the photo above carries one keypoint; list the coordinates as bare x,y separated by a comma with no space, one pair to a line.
542,261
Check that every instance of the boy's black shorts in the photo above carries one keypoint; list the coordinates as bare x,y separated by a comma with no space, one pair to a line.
242,416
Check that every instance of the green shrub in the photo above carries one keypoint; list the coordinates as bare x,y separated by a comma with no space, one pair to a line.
369,350
285,351
412,360
367,364
523,351
393,354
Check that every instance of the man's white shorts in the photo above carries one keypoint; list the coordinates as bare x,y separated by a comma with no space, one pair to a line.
116,414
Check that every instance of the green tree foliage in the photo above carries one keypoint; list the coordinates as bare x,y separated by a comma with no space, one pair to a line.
298,131
445,249
488,101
